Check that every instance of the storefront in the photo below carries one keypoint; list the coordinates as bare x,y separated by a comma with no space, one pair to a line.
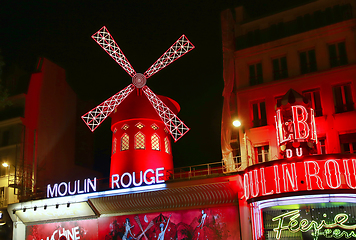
195,209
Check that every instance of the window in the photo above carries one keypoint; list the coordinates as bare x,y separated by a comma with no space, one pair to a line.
139,125
139,141
313,97
256,76
337,54
348,143
307,61
125,142
348,147
262,154
166,145
322,145
280,69
114,146
155,142
343,98
259,117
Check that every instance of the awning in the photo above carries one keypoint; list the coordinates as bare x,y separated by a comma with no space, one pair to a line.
167,199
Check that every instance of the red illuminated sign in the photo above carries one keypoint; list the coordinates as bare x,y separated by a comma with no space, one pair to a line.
296,132
300,175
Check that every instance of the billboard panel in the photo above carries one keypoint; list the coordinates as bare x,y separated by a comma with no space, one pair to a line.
218,223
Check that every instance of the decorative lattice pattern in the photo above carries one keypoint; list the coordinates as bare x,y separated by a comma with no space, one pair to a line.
165,130
177,50
107,42
139,141
125,127
94,117
125,142
166,145
174,125
115,130
139,125
155,142
154,126
114,146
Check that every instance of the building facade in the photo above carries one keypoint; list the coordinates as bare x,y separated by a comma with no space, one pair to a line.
297,58
289,172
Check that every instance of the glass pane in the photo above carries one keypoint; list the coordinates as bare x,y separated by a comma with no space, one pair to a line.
303,62
342,53
317,102
252,75
353,147
263,110
333,56
263,114
259,73
338,99
312,61
284,67
255,111
346,147
276,70
348,98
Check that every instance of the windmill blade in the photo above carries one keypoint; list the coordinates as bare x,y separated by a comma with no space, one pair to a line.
173,124
94,117
178,49
107,42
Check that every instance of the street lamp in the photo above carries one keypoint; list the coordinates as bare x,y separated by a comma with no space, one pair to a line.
5,164
236,123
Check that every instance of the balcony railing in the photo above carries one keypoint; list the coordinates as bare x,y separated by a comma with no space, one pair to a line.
195,171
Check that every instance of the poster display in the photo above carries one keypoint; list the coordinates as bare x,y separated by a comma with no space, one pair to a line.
219,223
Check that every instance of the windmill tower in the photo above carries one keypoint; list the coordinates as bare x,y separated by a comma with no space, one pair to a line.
141,125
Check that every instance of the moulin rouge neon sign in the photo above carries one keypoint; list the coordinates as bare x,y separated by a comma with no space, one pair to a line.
337,229
126,180
299,175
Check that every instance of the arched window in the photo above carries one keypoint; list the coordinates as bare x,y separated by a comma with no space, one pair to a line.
114,146
166,145
139,141
155,142
125,142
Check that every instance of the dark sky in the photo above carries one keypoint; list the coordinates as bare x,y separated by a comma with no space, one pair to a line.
144,30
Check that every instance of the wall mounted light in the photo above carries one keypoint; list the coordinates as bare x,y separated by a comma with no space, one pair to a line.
45,207
57,206
236,123
35,208
68,204
24,210
13,211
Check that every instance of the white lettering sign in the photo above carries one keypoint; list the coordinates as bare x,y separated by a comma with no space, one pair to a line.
70,235
148,177
77,187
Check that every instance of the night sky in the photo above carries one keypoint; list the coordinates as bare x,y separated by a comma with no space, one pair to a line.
144,30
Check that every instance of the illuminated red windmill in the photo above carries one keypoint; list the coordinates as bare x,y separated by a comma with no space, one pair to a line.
175,127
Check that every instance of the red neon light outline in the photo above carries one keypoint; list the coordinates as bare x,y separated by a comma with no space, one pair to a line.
98,114
303,122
